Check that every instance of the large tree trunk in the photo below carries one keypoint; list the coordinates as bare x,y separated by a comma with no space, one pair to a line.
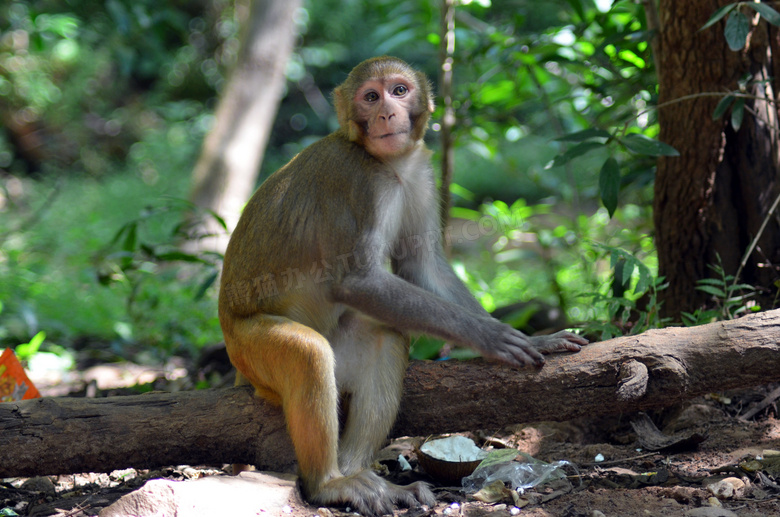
711,200
226,172
651,370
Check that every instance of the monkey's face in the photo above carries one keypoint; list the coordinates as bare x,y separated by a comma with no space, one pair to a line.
384,110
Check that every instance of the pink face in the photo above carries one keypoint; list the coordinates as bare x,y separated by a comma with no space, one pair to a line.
384,106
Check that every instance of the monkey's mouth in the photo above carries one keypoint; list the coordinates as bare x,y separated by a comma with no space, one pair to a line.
395,133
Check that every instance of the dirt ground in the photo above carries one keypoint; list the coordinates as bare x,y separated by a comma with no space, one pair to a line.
731,472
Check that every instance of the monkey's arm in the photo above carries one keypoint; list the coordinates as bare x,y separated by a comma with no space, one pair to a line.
429,270
403,305
433,273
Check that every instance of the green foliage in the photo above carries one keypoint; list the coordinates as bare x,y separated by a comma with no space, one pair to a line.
144,262
737,25
552,106
534,255
71,79
609,176
25,351
49,270
730,299
425,347
609,184
632,306
557,91
737,30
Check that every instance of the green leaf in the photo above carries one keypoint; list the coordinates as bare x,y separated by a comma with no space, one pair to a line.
577,150
737,113
499,92
27,350
767,13
614,256
710,289
722,106
219,219
129,246
627,271
720,13
710,281
736,31
641,144
120,15
424,347
644,279
131,239
609,184
208,282
179,255
119,233
585,134
577,6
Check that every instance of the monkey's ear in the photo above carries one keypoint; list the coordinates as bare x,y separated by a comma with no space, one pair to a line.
427,90
342,107
354,131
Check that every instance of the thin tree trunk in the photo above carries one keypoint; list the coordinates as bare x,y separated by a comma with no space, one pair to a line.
711,200
448,119
226,172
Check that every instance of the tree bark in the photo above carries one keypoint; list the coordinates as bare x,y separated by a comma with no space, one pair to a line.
226,172
711,200
651,370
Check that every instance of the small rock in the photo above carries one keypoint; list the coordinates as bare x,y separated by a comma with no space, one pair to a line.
726,488
40,484
710,511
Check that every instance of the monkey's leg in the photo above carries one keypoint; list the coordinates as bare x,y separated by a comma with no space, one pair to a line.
292,364
371,363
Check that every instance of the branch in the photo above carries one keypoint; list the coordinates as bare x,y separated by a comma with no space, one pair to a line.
651,370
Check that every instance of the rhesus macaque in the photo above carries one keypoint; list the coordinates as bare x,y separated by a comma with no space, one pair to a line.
335,261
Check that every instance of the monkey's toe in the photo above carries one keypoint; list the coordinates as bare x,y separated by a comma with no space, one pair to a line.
413,495
370,495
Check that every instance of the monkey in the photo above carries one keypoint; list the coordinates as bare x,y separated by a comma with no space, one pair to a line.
335,262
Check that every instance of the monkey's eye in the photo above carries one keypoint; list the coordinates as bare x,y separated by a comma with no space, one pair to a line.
371,96
400,90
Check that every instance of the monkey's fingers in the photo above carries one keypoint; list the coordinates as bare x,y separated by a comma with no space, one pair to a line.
559,342
519,351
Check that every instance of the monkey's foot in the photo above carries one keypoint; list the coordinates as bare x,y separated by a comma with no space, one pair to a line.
369,494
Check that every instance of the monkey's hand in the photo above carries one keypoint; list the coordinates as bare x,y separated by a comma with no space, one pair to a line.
500,342
506,344
562,341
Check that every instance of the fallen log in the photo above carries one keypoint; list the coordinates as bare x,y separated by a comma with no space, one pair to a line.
651,370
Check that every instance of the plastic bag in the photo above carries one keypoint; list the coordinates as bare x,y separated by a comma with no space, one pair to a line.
14,384
519,474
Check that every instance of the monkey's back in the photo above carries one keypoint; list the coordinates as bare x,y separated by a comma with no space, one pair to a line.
300,227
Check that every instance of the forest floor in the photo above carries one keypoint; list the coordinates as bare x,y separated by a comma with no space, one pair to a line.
731,472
